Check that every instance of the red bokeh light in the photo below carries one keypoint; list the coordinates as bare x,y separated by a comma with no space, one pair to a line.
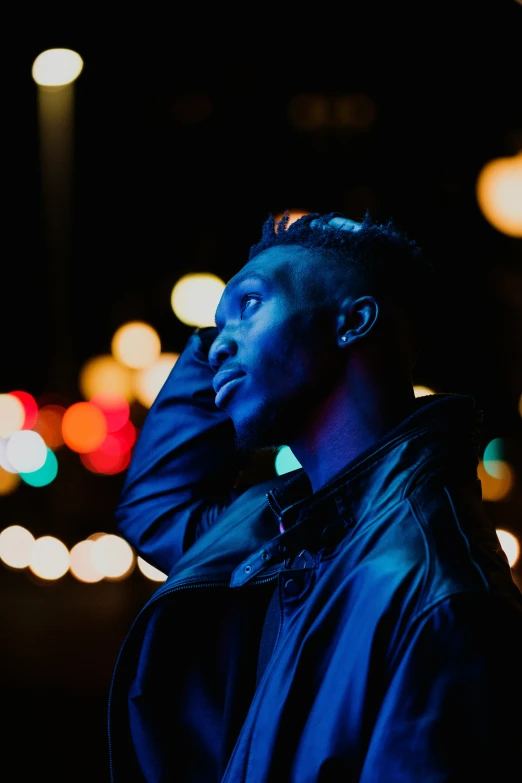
30,408
108,460
114,407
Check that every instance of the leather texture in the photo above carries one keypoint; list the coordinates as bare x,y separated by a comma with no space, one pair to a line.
397,656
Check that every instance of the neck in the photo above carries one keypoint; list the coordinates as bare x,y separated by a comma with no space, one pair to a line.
356,415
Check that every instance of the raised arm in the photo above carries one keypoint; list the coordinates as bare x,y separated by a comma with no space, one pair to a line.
185,464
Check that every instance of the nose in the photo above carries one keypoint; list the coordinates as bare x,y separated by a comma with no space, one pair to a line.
221,349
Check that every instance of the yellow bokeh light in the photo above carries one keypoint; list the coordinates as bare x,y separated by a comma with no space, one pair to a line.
8,481
16,543
12,414
422,391
152,573
103,374
136,345
57,67
148,382
195,297
49,558
499,486
510,545
499,194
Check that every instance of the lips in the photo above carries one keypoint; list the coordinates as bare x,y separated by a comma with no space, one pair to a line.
225,376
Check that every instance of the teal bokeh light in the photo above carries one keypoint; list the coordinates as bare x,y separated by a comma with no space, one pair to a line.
494,458
286,461
45,474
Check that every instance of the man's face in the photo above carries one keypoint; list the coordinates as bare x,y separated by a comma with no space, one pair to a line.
277,333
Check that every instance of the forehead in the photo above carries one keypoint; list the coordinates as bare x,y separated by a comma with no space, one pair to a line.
281,265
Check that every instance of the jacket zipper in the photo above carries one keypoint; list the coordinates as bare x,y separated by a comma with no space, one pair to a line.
176,588
271,503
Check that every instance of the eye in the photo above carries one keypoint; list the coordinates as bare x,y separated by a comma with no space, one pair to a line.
246,300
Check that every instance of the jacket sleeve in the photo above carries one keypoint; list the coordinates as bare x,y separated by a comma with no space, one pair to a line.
184,466
452,711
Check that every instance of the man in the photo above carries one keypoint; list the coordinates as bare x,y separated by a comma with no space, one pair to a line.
352,620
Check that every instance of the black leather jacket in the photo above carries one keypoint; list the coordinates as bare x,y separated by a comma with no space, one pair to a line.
395,656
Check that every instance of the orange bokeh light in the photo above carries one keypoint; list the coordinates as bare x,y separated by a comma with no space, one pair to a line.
84,427
49,425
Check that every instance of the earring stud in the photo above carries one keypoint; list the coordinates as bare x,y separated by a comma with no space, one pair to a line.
343,338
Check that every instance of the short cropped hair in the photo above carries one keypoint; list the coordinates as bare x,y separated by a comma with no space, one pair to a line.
382,259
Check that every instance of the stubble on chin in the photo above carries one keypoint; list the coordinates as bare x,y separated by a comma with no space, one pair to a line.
256,434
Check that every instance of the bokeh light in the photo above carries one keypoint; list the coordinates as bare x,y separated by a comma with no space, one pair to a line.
16,543
113,557
26,451
422,391
499,194
4,461
108,459
152,573
12,414
286,461
510,545
148,382
136,345
56,67
114,407
49,425
80,562
494,458
104,373
294,215
496,487
84,427
195,297
44,475
30,408
310,112
9,481
49,558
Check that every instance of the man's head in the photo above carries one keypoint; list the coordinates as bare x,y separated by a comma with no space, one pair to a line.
315,297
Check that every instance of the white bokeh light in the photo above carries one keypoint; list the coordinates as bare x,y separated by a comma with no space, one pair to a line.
16,543
49,558
12,414
56,67
26,451
112,556
81,565
510,545
150,571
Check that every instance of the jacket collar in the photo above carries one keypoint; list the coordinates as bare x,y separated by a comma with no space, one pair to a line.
442,432
441,435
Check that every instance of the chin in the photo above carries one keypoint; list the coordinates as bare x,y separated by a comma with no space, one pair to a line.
263,430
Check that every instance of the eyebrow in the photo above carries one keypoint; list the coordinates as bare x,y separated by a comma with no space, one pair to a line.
237,281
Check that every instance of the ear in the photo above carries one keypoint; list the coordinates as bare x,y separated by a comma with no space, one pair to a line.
356,318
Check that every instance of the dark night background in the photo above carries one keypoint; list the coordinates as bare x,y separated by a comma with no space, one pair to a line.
182,146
